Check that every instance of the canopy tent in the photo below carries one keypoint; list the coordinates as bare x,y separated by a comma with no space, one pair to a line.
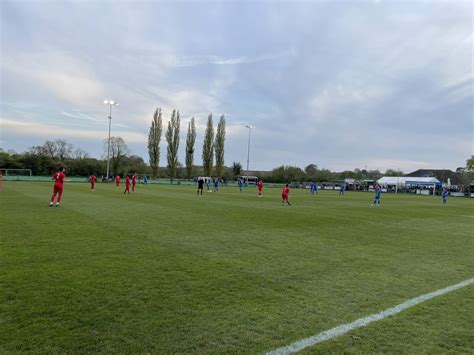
408,180
398,181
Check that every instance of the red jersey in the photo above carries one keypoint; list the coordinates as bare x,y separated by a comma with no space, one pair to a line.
134,179
59,178
285,191
127,181
117,178
93,178
260,185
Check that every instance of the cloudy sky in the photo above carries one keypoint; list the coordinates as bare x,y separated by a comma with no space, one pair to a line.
342,84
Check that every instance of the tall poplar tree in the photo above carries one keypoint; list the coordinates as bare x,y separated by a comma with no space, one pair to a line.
172,137
154,138
190,140
208,147
219,147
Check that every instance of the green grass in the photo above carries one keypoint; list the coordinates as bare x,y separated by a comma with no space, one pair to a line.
165,271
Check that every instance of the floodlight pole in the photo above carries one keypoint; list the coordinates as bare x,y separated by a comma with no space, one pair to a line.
110,103
248,151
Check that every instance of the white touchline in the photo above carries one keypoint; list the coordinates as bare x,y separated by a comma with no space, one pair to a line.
362,322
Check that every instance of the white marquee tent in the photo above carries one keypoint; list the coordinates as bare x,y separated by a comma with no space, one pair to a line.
407,180
399,181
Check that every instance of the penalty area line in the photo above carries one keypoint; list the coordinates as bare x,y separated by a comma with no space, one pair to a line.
362,322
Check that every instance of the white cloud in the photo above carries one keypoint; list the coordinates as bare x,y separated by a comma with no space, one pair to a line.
51,131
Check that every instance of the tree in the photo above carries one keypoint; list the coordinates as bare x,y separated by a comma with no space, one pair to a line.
154,138
64,149
172,137
208,147
284,174
311,170
236,168
190,140
50,149
134,164
80,153
219,147
470,164
323,175
118,151
58,149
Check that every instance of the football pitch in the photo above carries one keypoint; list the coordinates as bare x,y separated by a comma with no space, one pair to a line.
163,270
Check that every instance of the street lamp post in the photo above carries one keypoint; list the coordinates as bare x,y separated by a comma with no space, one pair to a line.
248,151
110,103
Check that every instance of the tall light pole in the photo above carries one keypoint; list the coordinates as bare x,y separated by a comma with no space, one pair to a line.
248,151
110,103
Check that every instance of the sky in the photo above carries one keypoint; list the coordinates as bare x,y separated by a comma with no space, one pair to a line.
341,84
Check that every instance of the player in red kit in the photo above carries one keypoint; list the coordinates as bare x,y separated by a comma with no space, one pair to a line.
92,179
58,178
134,181
127,184
117,180
260,187
284,195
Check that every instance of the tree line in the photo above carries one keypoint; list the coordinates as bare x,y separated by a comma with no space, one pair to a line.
45,159
213,146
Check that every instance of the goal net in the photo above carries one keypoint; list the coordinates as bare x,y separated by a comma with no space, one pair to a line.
15,172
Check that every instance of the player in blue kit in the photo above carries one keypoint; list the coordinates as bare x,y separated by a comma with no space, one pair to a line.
444,194
313,188
241,183
377,195
342,188
216,184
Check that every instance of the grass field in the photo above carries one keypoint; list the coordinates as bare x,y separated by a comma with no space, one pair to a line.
165,271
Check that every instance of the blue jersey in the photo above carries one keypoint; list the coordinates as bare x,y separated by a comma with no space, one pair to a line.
377,192
445,193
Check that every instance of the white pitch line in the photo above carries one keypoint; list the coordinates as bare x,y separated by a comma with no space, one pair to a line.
362,322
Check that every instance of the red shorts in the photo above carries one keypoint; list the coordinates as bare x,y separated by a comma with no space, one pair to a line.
284,197
58,189
260,189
